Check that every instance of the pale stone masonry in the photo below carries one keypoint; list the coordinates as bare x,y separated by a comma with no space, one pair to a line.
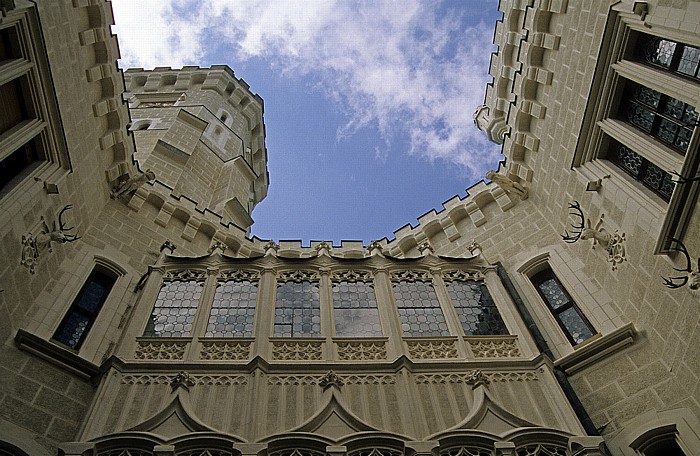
140,318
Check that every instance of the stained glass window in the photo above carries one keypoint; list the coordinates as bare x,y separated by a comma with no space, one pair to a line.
298,310
233,309
476,310
669,55
175,309
642,170
664,117
83,312
419,310
355,310
563,308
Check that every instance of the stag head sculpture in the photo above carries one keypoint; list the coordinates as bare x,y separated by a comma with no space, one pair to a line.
692,278
581,228
60,233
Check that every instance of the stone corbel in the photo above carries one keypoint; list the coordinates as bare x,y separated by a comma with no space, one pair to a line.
586,446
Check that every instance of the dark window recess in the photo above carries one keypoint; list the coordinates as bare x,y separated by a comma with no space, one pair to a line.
642,170
13,109
83,312
669,55
563,308
13,165
477,312
663,117
9,44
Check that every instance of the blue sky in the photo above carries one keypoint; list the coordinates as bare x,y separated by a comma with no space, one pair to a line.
368,104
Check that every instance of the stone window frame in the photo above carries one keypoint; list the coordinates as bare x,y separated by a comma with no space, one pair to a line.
353,276
600,127
300,276
44,127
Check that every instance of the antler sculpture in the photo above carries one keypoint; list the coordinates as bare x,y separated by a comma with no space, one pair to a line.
684,180
692,278
58,234
577,226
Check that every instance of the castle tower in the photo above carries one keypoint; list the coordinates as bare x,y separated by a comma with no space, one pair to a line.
201,132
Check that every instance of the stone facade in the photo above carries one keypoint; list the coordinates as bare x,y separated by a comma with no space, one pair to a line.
140,319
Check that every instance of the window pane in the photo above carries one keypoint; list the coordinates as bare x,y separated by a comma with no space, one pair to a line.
643,170
553,293
690,60
419,310
175,309
574,324
475,308
657,51
233,309
71,331
298,310
355,310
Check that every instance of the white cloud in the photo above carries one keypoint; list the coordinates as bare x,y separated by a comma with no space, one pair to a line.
394,65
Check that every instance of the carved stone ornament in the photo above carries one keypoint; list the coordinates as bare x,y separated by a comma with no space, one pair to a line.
411,276
330,379
425,248
495,129
124,189
464,276
494,348
185,276
351,276
167,350
323,248
225,351
271,248
477,378
375,248
33,246
298,276
239,275
168,244
297,351
507,184
217,246
432,349
474,248
691,278
361,351
182,379
614,244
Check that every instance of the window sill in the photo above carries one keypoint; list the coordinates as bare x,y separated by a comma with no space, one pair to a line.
62,357
595,350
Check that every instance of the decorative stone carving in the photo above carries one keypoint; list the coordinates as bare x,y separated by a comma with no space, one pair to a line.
128,187
614,244
528,376
168,350
692,278
298,276
225,351
412,275
462,275
494,348
168,244
297,351
361,351
426,249
351,276
217,247
329,380
239,275
508,185
369,379
185,275
495,128
293,380
477,378
271,248
182,379
466,451
374,248
539,449
323,248
474,248
432,349
465,377
32,246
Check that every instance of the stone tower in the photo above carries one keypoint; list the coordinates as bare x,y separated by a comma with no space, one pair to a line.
201,132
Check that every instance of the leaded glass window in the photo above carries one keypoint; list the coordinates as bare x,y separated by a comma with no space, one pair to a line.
298,309
664,117
476,310
233,310
175,309
563,308
83,312
642,170
669,55
355,310
419,309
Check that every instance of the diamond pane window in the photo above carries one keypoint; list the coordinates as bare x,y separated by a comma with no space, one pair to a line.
642,170
563,308
175,309
233,309
665,118
355,310
476,310
419,309
298,310
83,312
